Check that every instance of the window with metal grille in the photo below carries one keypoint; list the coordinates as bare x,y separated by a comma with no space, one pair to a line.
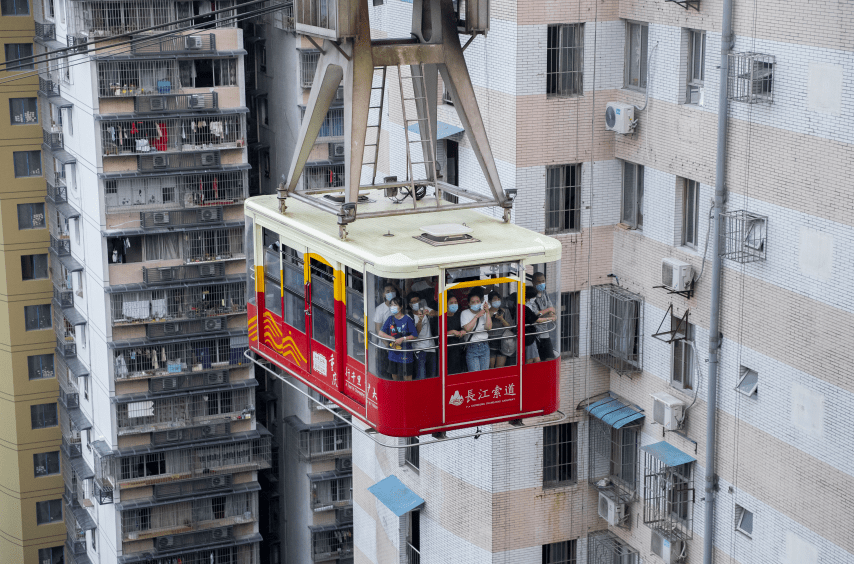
563,198
569,326
143,465
49,511
413,456
261,57
682,366
635,71
16,51
27,163
565,60
52,555
23,111
632,206
560,552
617,328
34,267
46,463
696,75
14,7
560,455
413,538
40,366
690,212
308,67
37,317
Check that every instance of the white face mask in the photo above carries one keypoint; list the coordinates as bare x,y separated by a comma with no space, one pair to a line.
414,306
496,304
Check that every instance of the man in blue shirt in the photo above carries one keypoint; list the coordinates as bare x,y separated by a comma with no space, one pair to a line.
399,328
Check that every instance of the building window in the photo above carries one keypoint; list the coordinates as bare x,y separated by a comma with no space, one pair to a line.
413,456
560,552
748,382
265,163
563,198
14,7
46,463
143,466
413,538
632,207
31,216
690,212
27,163
53,555
565,60
637,38
569,314
560,455
743,520
40,366
34,267
43,415
95,539
696,66
262,58
37,317
16,51
682,372
66,75
23,111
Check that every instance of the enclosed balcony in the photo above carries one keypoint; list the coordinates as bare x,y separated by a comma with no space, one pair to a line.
329,542
65,323
323,175
52,138
69,394
57,192
329,19
319,441
191,302
194,245
104,18
331,490
157,77
189,190
172,274
172,134
190,410
243,551
72,423
45,31
146,359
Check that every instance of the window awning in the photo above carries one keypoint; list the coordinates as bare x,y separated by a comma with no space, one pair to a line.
396,496
668,454
67,211
443,129
60,155
81,468
76,367
60,102
614,413
84,520
69,262
71,315
78,419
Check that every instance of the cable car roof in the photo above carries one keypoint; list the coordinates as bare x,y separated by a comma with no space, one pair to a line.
401,255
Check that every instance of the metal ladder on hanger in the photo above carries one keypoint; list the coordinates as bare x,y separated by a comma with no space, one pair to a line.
378,125
419,97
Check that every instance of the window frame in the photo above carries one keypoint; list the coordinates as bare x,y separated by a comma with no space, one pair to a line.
412,455
687,361
40,315
643,70
21,65
555,469
24,110
632,218
690,213
29,156
741,512
30,261
753,390
16,8
570,311
38,411
563,183
32,213
46,465
50,506
52,556
41,358
564,63
694,85
569,549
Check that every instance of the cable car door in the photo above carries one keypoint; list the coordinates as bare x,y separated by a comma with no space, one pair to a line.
320,319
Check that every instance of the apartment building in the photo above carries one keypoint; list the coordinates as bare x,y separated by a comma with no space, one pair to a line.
31,529
145,158
622,478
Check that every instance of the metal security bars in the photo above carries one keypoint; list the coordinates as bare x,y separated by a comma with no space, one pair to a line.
565,60
563,198
317,13
184,411
137,77
195,43
176,103
170,274
174,304
744,236
177,191
332,128
103,18
616,328
613,458
331,490
241,554
560,454
330,542
320,441
308,67
668,497
143,136
318,176
751,78
604,547
216,244
198,514
146,361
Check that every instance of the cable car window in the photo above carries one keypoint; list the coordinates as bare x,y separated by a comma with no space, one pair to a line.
322,303
542,298
355,315
293,288
272,272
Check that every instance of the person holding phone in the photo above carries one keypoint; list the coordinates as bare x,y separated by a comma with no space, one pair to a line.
399,329
456,359
476,321
500,322
425,352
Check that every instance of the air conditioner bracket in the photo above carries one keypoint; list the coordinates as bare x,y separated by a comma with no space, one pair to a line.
673,335
689,293
687,3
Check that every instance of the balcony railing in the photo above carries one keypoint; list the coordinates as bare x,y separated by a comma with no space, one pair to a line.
319,441
188,382
67,350
174,192
413,555
172,135
181,358
200,409
331,490
46,31
330,542
174,329
175,103
195,43
48,87
69,399
212,430
57,191
53,139
61,246
64,297
208,302
178,218
72,446
323,176
169,274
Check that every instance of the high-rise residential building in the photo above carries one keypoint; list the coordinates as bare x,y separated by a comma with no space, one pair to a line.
628,190
31,528
145,158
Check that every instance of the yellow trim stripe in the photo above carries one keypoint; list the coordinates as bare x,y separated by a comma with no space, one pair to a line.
486,282
259,278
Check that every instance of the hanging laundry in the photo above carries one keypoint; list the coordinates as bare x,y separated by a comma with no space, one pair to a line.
216,188
127,243
216,128
161,143
133,129
112,131
183,133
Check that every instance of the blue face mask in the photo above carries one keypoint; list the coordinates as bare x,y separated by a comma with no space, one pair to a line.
394,310
389,296
414,307
541,287
476,307
496,304
453,308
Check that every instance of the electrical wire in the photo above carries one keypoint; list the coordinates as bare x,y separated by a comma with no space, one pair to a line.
706,248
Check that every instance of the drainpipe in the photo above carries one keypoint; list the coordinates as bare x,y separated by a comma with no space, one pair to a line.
710,485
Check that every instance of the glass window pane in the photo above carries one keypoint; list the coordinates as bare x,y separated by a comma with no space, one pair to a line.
23,111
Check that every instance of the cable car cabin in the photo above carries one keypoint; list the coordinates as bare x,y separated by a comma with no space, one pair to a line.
415,324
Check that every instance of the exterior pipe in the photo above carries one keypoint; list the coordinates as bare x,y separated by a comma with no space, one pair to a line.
710,484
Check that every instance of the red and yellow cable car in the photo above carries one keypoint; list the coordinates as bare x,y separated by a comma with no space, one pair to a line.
412,328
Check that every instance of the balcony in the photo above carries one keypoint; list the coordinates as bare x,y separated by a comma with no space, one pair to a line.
64,297
178,359
195,43
201,216
244,551
189,382
175,103
198,303
45,31
60,245
160,193
57,191
177,161
48,87
53,139
212,132
331,490
170,274
320,176
173,413
212,430
330,542
69,394
320,441
72,422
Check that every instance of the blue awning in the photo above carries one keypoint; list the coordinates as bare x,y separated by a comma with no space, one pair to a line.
396,496
668,454
613,412
442,129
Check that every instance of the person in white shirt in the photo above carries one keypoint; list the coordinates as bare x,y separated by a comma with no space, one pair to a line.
381,313
476,321
425,351
541,304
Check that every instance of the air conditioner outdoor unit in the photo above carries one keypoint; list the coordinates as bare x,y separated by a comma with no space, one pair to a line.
208,430
165,542
159,161
165,273
610,509
213,324
169,383
620,117
173,435
671,551
215,378
336,150
207,270
161,218
676,275
194,101
667,410
209,214
193,41
219,534
171,328
219,481
343,463
208,158
157,103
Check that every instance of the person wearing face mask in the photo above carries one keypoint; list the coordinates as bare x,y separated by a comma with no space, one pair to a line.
476,321
399,329
456,359
381,313
541,304
425,351
500,321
